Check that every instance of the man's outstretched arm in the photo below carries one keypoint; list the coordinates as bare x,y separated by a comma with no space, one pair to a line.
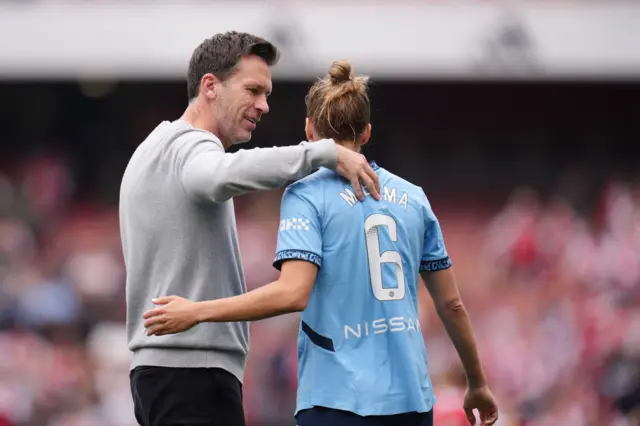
289,293
210,173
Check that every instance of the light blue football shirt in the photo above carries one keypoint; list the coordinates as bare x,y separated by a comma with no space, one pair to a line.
360,347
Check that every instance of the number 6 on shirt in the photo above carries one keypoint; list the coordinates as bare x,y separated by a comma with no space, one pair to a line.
376,259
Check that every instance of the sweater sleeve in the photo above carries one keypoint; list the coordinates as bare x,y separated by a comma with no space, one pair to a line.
210,173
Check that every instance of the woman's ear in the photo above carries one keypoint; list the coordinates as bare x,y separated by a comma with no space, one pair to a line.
308,130
366,134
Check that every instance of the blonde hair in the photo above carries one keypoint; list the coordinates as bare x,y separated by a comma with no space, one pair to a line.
338,105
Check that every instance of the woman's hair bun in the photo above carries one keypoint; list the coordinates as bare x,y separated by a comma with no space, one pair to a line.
340,72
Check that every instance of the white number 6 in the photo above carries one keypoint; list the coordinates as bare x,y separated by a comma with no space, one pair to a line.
376,259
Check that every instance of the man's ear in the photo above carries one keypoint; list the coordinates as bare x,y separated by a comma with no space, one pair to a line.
209,86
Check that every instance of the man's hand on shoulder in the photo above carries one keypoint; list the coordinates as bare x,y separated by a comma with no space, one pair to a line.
355,167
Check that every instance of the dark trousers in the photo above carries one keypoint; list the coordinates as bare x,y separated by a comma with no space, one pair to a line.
320,416
186,396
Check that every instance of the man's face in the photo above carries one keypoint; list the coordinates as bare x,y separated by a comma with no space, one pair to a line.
241,100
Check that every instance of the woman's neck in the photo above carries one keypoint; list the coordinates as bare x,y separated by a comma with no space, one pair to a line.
353,146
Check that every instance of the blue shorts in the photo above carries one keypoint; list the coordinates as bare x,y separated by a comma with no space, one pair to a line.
321,416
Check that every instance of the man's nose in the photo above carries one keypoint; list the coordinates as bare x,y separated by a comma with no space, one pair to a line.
262,105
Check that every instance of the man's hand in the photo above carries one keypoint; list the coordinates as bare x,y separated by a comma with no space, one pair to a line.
482,400
173,315
354,167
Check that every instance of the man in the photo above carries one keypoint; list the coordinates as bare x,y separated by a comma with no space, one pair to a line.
179,235
352,268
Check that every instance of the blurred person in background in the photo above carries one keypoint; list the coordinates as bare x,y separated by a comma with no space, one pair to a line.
362,358
178,228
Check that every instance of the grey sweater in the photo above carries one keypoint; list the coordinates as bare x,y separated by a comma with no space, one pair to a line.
178,231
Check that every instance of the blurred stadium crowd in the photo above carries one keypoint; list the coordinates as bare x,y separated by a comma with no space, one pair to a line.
551,278
553,296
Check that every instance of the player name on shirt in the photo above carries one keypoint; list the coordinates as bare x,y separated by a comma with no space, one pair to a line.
388,195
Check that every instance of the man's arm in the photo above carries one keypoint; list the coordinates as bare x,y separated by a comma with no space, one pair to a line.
444,292
290,293
212,174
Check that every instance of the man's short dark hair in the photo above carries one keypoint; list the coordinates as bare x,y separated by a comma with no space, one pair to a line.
220,54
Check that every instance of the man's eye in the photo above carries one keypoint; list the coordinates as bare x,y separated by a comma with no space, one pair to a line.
254,90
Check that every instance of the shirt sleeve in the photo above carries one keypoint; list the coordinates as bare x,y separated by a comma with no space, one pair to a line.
434,252
299,233
210,173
